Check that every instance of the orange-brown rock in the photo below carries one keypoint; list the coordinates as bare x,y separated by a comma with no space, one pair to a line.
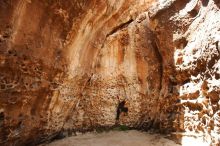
66,65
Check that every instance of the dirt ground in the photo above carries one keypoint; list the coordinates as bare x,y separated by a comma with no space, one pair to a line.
115,138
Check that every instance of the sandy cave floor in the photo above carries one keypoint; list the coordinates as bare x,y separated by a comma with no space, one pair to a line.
115,138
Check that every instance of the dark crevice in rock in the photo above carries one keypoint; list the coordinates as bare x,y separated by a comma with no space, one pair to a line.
115,30
2,117
119,27
193,13
160,58
185,81
216,44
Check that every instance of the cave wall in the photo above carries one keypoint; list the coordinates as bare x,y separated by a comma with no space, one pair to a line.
65,66
53,74
190,51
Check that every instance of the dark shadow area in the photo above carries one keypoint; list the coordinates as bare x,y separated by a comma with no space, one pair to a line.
217,2
1,118
194,13
205,2
121,109
2,128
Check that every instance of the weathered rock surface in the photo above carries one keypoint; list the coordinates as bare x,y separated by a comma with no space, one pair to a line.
190,51
65,66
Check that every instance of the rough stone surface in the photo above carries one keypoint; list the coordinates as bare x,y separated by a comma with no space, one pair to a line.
66,65
190,51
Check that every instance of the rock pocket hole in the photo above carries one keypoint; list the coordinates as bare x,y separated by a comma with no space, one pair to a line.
194,13
205,2
181,43
12,52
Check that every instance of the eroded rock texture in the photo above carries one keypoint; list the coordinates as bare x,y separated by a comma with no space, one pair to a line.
188,37
66,65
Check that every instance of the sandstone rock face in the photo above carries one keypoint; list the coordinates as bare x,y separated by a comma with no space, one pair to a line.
66,65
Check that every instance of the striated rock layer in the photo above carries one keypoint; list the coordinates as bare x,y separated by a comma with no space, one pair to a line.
66,65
